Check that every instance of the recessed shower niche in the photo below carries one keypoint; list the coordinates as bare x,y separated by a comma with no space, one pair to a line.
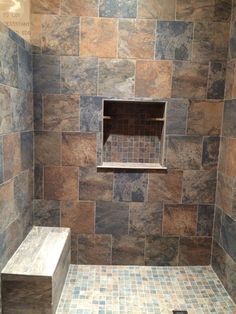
133,134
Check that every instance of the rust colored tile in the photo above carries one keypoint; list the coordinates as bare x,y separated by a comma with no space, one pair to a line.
11,155
45,6
157,9
61,112
61,183
180,220
205,117
79,216
47,148
195,251
230,82
165,187
95,185
131,34
189,80
79,8
94,249
79,149
227,157
153,79
98,37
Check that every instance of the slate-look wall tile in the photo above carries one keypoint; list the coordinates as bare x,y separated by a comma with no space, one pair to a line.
157,9
26,150
38,112
161,251
180,220
98,37
25,70
130,187
195,251
128,250
90,114
217,224
38,182
205,220
60,35
6,109
229,127
47,213
95,185
174,40
232,41
79,75
45,6
145,219
61,112
153,79
46,76
112,218
11,155
189,80
199,186
184,152
116,78
210,152
22,110
131,34
216,80
118,8
1,160
228,231
177,110
82,8
94,249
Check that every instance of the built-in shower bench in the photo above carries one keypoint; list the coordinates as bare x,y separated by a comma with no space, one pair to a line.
33,278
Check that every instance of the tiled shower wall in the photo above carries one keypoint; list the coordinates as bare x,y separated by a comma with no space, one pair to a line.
224,248
85,51
16,142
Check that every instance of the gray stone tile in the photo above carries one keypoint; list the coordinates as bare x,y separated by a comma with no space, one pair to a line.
111,218
6,109
232,41
228,233
46,213
91,114
205,220
38,112
176,116
118,8
1,160
229,126
216,80
26,150
22,106
174,40
210,152
79,75
25,69
130,187
38,182
217,224
46,74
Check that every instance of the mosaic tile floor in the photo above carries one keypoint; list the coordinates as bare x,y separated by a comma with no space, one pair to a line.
136,290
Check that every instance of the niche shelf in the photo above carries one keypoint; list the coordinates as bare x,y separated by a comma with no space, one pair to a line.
133,134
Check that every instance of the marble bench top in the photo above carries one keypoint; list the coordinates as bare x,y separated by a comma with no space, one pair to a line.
39,253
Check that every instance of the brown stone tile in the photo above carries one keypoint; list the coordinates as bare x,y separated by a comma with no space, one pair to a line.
224,193
61,112
216,80
210,152
198,10
195,251
79,216
153,79
230,81
60,35
205,220
127,250
11,155
157,9
45,6
47,148
7,210
161,251
225,268
189,80
61,183
145,219
46,213
81,8
165,187
116,78
199,186
74,248
95,185
79,149
6,109
36,32
180,220
184,152
204,117
94,249
227,157
98,37
131,34
229,126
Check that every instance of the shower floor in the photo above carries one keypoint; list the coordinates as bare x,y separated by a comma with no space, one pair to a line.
137,289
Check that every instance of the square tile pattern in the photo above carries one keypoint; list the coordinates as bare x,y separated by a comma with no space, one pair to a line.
136,289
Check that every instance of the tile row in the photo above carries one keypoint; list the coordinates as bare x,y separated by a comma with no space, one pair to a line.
113,38
161,9
89,184
128,78
119,218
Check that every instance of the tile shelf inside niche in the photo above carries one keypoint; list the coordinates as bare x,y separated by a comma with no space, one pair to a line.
149,119
129,165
